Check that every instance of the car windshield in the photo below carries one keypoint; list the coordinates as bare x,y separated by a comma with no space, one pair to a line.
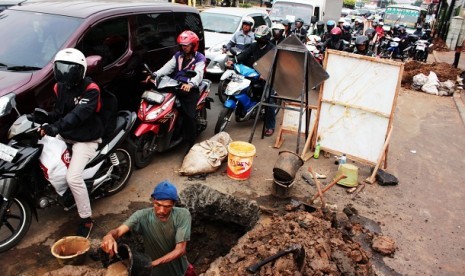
220,23
31,40
291,11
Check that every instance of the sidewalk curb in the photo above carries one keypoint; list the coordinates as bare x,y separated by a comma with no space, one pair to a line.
460,105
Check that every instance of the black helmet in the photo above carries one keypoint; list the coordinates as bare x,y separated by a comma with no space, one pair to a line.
285,22
361,41
370,33
428,31
320,24
299,20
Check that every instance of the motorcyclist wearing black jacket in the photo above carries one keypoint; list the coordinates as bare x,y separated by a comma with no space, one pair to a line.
75,119
249,56
300,31
335,42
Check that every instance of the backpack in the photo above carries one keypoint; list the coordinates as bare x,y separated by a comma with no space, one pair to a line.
108,112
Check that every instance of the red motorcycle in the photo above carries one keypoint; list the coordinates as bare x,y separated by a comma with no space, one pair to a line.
159,121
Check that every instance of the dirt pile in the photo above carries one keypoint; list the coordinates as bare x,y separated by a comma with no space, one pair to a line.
328,250
443,70
439,45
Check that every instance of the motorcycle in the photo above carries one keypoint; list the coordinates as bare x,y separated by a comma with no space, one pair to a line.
224,80
391,49
24,184
160,123
422,47
314,46
244,94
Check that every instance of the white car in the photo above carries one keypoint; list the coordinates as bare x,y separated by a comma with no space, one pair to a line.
219,25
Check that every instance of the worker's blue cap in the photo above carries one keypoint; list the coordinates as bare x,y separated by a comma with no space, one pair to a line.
165,190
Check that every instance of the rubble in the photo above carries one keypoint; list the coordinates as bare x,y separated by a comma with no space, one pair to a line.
444,71
328,250
386,179
384,245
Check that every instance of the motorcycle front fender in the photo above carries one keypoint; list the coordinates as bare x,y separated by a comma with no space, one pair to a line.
230,103
144,128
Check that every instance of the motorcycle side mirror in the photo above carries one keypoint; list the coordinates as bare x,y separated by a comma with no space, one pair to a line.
190,74
94,65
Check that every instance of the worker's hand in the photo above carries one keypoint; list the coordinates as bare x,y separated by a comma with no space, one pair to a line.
229,63
109,245
186,87
224,49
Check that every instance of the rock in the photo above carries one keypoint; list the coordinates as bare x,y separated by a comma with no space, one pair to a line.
384,245
386,179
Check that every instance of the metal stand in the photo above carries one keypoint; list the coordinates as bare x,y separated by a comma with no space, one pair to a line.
268,98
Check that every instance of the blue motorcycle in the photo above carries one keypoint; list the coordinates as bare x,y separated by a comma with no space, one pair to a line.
243,93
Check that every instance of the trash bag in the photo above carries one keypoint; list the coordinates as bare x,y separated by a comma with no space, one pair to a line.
446,88
432,84
419,80
206,156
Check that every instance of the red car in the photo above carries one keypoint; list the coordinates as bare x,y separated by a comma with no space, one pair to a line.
124,34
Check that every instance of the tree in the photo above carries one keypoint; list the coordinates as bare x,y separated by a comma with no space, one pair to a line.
349,4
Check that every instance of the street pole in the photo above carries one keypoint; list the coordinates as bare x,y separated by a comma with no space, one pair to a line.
458,50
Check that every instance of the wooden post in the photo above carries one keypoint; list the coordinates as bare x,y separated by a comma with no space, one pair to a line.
372,178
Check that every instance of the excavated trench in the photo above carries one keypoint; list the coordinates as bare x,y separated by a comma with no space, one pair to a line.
218,221
228,236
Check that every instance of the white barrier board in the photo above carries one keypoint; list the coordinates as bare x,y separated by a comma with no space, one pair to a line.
357,103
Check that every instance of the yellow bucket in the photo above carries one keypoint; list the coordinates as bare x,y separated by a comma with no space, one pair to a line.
349,170
240,158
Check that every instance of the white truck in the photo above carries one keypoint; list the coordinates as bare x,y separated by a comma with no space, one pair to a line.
310,11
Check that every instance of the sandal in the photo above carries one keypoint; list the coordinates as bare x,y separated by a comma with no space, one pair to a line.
269,132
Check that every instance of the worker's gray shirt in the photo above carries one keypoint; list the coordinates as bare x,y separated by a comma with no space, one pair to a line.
239,39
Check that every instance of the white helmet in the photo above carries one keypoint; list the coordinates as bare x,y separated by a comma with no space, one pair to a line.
277,26
341,20
69,66
249,21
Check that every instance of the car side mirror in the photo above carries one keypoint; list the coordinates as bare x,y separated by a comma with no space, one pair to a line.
313,19
94,65
190,74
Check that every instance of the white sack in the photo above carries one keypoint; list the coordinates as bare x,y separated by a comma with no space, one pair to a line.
419,80
432,84
54,162
206,157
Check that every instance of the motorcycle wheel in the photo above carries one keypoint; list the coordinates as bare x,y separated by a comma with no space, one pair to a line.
223,120
121,173
15,223
142,155
221,88
417,56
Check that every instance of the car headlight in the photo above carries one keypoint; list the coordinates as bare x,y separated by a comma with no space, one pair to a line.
7,103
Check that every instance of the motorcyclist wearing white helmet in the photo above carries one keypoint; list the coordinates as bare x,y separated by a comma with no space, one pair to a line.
277,30
243,37
75,120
